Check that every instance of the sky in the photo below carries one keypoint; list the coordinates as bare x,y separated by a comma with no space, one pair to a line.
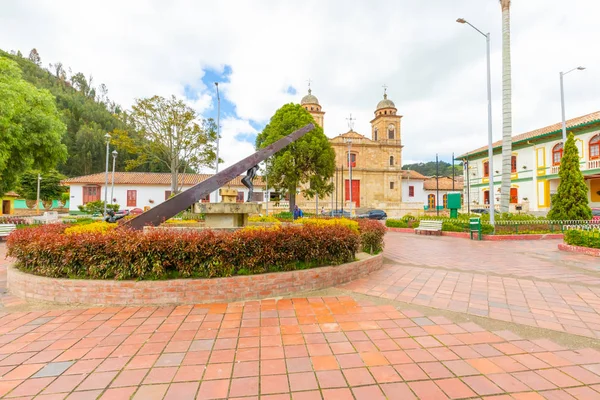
263,52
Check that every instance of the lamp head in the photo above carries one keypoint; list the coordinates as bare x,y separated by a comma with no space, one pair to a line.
581,68
107,136
461,21
114,153
216,83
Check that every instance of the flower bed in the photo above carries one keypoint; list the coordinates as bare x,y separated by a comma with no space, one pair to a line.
164,254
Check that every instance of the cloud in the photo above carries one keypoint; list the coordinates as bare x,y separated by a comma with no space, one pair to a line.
264,52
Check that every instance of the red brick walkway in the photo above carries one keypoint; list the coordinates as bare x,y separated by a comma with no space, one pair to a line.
331,348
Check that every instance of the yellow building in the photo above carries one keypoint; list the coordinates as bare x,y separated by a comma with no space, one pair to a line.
376,162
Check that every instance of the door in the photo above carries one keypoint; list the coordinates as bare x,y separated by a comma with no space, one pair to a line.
486,197
431,201
132,198
514,195
445,200
355,191
6,207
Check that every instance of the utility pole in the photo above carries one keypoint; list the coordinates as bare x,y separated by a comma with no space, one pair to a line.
107,136
112,187
218,136
349,141
437,186
38,194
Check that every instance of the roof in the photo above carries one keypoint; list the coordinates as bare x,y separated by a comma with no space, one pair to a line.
10,194
409,174
349,135
554,128
150,178
309,98
445,183
385,103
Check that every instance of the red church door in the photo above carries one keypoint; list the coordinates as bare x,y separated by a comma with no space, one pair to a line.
355,191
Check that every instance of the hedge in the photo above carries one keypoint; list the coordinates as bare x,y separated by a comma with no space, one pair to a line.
448,225
161,254
583,238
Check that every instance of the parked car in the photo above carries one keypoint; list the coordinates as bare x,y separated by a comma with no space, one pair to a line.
339,213
480,210
374,214
596,215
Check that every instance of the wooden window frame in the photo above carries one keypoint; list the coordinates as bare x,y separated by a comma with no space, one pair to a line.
129,201
595,144
557,150
411,191
513,164
486,169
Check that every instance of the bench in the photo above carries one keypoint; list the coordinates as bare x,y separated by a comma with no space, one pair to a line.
6,229
430,227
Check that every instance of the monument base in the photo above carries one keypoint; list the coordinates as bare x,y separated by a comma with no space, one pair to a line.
226,215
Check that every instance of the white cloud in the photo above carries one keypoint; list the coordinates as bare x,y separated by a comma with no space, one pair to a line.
434,67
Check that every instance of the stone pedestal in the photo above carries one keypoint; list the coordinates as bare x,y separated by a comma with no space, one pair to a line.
226,215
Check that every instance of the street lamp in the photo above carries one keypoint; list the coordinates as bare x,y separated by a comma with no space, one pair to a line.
490,141
349,141
562,102
39,179
112,188
107,136
218,135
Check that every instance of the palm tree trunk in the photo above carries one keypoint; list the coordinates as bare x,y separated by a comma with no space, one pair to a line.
506,108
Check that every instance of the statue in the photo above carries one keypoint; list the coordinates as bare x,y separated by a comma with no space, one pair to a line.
112,218
247,181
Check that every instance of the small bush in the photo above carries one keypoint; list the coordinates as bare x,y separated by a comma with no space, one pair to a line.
371,235
94,227
264,218
583,238
97,207
160,253
353,225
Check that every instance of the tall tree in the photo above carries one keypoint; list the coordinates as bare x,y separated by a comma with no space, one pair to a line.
50,188
506,108
571,199
168,132
34,57
309,160
30,127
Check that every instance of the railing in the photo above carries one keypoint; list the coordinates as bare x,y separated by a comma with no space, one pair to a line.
593,164
545,225
554,169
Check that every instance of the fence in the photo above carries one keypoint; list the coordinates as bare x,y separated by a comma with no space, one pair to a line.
542,226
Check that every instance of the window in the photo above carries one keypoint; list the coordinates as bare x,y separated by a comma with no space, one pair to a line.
411,191
445,200
375,134
595,147
131,198
240,197
390,131
91,193
353,160
486,197
391,185
557,153
486,168
205,199
431,201
513,164
391,160
167,194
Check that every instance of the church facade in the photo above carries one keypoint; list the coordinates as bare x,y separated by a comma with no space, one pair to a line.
368,167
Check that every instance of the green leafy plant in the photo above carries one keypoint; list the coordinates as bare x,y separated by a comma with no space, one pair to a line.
97,207
583,238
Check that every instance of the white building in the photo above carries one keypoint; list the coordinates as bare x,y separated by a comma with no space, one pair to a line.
535,164
412,187
143,190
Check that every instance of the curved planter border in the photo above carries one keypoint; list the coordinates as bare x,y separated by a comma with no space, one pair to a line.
186,291
466,235
579,249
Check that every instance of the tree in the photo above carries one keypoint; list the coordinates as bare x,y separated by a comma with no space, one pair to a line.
30,127
34,57
429,168
506,108
50,187
571,200
168,132
309,160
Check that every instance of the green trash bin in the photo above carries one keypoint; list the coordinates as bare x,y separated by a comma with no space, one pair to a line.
475,226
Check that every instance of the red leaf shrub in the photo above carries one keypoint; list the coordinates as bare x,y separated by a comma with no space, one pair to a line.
161,253
371,235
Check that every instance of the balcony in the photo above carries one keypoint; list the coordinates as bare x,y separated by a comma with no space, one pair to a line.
593,164
554,169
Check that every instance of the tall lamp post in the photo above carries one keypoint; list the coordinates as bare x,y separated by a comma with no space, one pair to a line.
38,193
218,135
112,187
562,102
107,136
349,141
490,141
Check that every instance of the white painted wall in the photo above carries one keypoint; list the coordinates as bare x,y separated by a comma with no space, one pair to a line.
419,196
145,193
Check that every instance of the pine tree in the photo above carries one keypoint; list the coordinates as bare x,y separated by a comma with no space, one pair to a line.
571,200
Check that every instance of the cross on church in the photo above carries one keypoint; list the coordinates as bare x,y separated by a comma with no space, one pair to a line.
384,89
309,82
351,122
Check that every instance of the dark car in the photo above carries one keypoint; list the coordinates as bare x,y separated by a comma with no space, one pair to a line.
339,213
480,210
374,214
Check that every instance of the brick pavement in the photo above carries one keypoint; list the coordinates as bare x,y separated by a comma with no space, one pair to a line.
306,348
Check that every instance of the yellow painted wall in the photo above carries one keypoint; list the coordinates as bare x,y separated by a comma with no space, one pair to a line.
594,190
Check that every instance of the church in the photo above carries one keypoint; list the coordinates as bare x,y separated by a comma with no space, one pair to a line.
368,169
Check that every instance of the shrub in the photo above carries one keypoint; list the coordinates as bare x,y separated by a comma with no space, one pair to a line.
264,218
371,235
97,207
353,225
284,216
396,223
94,227
583,238
161,253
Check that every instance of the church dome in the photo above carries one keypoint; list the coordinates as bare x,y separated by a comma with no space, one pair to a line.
309,99
385,103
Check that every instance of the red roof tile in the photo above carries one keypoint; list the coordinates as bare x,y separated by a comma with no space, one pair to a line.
445,183
150,178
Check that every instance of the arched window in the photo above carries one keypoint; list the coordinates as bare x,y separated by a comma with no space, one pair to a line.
513,164
486,168
595,147
353,160
557,153
391,160
390,131
375,134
